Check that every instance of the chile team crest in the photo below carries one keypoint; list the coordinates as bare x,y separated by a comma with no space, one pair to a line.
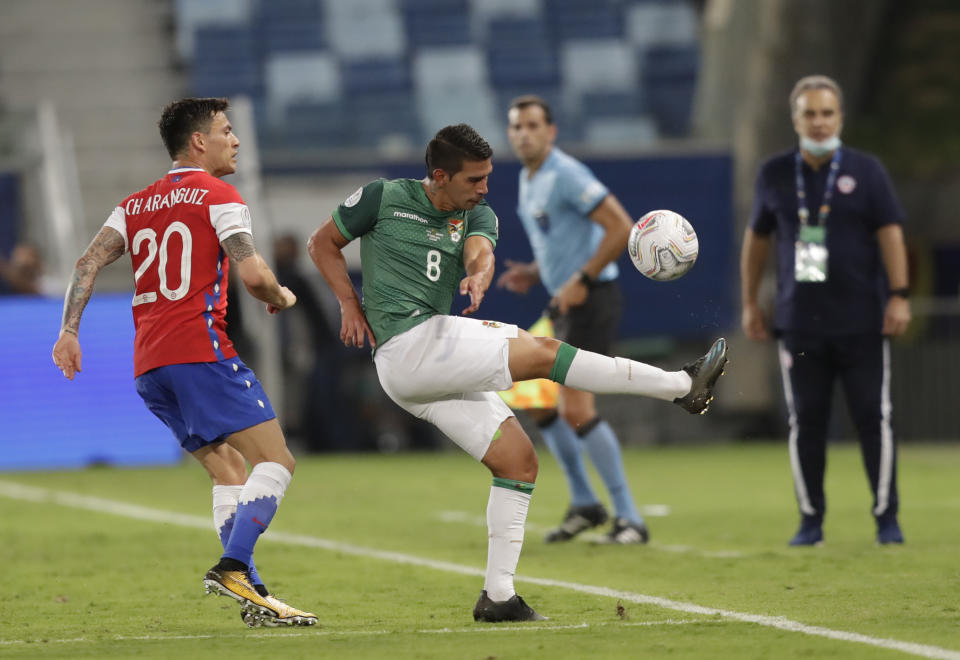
455,227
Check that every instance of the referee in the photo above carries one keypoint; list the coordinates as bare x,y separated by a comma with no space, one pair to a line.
842,291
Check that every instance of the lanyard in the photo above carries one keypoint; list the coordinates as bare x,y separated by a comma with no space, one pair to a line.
802,211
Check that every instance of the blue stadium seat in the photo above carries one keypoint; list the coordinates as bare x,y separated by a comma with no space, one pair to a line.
669,81
655,23
223,43
375,75
576,19
514,30
535,63
226,63
612,104
436,22
283,36
376,115
361,29
191,15
313,124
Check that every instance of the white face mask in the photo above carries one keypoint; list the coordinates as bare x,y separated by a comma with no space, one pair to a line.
820,148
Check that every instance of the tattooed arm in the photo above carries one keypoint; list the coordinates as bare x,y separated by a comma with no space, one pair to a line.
107,246
255,274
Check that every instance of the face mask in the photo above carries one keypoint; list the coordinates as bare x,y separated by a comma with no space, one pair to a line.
820,148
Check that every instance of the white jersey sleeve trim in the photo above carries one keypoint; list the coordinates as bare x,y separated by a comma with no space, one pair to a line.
118,220
229,219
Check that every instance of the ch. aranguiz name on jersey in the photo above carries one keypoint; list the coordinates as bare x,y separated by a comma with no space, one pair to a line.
157,201
173,229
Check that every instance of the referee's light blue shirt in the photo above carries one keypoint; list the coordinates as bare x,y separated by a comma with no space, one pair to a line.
554,206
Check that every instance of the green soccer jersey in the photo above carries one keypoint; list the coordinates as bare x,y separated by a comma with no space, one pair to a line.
411,253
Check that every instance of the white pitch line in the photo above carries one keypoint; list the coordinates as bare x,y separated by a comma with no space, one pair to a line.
592,537
101,505
354,633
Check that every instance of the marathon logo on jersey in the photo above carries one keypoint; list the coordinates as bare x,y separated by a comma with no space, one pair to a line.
410,216
156,202
455,229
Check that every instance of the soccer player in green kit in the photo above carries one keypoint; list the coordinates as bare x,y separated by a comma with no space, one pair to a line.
418,238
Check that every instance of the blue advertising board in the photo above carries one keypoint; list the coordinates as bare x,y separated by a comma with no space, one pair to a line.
49,422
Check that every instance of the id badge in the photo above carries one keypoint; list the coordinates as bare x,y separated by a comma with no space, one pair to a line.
810,257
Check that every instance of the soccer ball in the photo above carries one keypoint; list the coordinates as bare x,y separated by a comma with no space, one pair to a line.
663,245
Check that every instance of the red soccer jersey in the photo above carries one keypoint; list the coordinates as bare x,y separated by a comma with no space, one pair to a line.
173,229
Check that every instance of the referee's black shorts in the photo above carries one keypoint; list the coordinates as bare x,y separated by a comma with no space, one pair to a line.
593,325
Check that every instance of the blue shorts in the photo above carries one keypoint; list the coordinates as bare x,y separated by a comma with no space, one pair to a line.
204,402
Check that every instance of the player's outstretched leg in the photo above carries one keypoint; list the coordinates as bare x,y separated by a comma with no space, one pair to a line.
691,388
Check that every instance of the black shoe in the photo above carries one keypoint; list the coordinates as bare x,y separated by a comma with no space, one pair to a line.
578,519
888,530
625,532
509,610
810,532
704,373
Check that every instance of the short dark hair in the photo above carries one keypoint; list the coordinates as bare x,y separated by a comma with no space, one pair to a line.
807,83
454,144
181,119
528,100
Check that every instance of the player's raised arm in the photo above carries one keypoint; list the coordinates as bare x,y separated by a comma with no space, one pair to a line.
255,274
325,246
106,247
478,261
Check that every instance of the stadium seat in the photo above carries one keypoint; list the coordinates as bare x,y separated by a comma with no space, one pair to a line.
598,64
437,109
669,83
436,22
651,24
377,117
227,62
612,104
361,29
454,69
375,75
620,133
305,76
576,19
313,124
192,15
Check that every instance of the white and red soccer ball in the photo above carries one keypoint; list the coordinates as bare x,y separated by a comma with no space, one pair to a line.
663,245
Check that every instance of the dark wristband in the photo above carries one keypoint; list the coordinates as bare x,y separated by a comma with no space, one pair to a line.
900,293
586,280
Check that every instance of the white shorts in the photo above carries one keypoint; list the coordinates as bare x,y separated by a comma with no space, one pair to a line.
446,371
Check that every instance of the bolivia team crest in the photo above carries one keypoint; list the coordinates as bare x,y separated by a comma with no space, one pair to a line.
455,227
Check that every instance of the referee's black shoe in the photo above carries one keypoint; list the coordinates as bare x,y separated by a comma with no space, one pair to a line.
513,609
704,373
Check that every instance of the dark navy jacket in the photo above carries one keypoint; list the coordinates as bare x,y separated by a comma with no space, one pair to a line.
852,299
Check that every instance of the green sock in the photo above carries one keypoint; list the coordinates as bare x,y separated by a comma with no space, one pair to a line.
565,354
513,484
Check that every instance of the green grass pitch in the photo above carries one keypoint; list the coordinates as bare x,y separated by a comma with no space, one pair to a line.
389,552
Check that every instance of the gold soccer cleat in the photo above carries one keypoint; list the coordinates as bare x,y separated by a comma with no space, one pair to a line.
236,585
286,615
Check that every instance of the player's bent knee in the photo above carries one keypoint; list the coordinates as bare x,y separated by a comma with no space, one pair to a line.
511,455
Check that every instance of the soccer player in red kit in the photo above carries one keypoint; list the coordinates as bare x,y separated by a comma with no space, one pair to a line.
182,232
